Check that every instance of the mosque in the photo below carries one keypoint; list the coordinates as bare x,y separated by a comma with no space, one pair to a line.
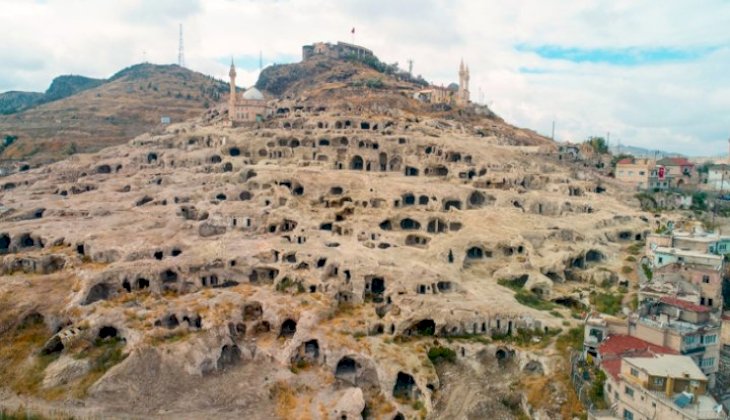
247,107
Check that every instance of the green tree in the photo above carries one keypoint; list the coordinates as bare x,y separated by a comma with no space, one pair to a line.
598,144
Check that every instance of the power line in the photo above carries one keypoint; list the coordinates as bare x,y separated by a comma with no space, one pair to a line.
181,51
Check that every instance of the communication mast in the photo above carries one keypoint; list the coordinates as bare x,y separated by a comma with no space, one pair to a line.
181,51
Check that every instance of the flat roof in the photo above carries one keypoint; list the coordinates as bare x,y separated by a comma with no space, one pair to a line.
687,253
668,365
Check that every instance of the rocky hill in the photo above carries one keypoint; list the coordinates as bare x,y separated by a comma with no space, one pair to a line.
61,87
79,114
357,255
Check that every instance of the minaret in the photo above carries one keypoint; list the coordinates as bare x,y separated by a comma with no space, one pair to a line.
466,82
463,96
462,73
232,96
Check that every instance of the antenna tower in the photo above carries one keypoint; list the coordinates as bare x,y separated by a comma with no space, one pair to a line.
181,51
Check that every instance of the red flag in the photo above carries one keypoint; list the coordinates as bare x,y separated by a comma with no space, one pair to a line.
353,30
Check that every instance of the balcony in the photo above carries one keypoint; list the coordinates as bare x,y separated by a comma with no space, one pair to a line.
693,350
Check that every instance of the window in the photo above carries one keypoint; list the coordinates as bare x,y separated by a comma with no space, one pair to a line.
642,173
659,382
710,339
708,362
634,372
722,247
661,260
628,415
705,278
689,339
629,391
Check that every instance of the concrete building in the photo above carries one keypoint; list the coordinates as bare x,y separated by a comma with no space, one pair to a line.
718,177
634,172
679,171
662,386
682,326
691,279
665,256
250,106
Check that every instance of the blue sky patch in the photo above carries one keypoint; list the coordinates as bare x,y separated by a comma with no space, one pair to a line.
632,56
533,70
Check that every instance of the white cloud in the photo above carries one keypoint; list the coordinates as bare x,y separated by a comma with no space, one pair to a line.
675,105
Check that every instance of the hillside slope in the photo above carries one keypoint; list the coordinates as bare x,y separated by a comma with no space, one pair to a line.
129,103
61,87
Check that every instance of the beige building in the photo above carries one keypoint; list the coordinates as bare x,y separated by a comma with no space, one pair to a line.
635,172
661,387
684,327
250,106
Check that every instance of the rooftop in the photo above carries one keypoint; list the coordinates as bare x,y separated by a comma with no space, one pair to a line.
683,304
668,366
687,253
675,161
615,347
253,94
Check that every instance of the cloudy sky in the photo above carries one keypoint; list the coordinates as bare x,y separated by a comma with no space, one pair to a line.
654,74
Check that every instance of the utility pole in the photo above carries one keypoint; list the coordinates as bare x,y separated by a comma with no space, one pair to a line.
410,67
180,50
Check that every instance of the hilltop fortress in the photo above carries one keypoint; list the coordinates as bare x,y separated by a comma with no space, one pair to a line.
251,105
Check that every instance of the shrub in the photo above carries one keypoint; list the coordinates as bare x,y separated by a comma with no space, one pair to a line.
441,354
607,303
528,298
626,269
647,271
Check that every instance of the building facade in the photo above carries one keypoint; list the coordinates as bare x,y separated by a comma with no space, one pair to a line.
661,387
250,106
634,172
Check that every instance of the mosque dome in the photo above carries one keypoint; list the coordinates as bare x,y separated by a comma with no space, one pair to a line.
253,94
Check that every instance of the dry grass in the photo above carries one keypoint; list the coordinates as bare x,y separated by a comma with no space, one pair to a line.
20,368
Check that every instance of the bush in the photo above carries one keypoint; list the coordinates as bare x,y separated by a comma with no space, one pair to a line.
441,354
607,303
626,269
596,393
528,298
647,271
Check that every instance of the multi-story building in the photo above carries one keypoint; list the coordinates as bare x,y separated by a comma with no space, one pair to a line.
635,172
705,242
718,177
684,327
662,386
665,256
702,282
678,170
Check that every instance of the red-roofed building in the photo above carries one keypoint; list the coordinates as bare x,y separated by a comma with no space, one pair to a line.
615,347
683,304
